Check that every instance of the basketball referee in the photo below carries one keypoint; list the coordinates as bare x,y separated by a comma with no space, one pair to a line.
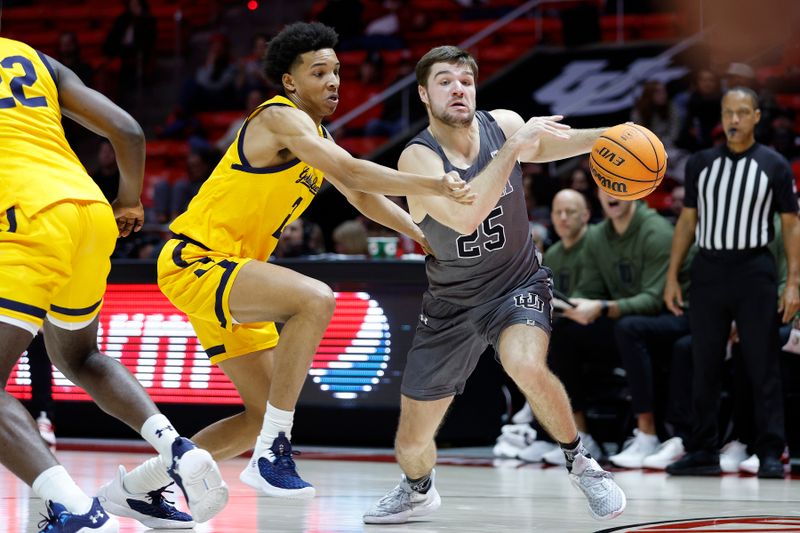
732,193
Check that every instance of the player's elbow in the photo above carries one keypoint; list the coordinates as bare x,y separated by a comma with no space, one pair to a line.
466,225
127,132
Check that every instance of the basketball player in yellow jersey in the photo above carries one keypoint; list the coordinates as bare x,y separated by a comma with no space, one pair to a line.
57,232
215,268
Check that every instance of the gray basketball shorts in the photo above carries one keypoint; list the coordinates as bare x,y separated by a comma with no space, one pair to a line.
450,339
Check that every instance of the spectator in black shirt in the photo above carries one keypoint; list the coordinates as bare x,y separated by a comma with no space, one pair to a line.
69,55
132,39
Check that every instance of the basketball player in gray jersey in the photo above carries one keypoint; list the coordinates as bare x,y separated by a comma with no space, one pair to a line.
486,286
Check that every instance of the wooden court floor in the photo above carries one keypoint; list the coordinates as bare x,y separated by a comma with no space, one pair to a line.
478,496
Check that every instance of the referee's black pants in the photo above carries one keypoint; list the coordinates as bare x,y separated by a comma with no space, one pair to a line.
740,286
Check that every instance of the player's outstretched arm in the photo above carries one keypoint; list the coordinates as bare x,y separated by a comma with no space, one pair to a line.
549,148
488,185
99,114
294,130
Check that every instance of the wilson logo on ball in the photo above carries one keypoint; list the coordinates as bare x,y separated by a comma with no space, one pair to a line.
615,159
608,184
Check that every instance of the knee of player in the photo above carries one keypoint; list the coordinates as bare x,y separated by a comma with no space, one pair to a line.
530,371
320,300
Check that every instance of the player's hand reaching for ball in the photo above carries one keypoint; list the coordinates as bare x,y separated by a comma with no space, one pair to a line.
457,189
537,127
129,218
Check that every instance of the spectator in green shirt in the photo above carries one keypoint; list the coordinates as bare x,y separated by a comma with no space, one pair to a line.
618,303
570,217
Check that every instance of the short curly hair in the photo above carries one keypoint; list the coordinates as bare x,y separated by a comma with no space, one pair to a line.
293,40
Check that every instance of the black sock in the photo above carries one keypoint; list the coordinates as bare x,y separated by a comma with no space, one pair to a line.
421,485
571,449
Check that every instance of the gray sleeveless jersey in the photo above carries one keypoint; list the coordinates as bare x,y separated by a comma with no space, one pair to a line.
500,255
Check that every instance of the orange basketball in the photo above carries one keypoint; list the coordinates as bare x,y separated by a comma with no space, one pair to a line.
628,161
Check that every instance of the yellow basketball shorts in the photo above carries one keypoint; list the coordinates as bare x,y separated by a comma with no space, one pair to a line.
55,264
198,281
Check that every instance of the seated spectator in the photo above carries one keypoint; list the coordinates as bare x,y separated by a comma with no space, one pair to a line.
395,116
740,75
618,305
350,238
106,175
383,32
581,181
654,111
676,195
784,138
69,55
540,235
171,200
702,112
299,238
250,76
213,86
181,124
132,39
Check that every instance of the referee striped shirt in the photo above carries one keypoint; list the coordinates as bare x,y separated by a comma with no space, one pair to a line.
736,196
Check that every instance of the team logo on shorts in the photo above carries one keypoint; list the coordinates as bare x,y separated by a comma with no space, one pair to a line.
740,524
529,301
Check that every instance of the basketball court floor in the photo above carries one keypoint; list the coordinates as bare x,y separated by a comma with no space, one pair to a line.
479,495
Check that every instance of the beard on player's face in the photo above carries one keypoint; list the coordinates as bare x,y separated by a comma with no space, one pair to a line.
454,120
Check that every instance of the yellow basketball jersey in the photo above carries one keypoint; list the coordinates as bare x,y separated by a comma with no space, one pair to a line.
37,166
241,209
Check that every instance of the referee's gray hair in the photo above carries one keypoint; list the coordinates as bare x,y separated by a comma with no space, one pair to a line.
747,91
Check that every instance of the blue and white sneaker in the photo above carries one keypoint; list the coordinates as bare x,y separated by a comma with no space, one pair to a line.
277,478
152,509
195,472
59,520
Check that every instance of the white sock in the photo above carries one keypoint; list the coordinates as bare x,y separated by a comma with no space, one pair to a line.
158,431
275,421
150,475
653,439
55,484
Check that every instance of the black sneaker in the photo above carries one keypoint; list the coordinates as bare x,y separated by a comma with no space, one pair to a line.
770,468
699,463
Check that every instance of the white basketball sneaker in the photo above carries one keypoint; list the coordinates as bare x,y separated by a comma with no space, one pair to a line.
513,438
197,475
151,509
636,449
670,451
402,503
606,500
732,455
